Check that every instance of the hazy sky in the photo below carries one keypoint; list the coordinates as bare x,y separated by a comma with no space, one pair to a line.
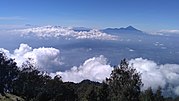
144,14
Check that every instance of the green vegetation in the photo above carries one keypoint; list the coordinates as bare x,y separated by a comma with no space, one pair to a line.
124,83
30,84
10,97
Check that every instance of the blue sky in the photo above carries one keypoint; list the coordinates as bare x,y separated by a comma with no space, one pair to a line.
147,15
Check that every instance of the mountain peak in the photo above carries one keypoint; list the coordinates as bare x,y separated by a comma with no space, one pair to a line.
129,29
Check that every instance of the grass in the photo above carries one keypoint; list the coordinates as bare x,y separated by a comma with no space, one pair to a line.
10,97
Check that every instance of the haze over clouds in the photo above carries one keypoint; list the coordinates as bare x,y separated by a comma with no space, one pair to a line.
67,32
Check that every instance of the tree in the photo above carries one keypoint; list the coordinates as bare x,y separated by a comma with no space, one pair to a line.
158,95
104,92
147,95
56,90
92,96
29,81
124,83
8,73
88,90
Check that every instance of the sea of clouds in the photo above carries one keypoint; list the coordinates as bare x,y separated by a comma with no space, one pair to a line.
98,68
65,32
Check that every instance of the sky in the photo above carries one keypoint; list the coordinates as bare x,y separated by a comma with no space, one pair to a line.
147,15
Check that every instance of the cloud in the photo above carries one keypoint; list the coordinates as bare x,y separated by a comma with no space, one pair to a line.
5,51
95,69
67,32
9,27
152,74
46,59
167,32
12,18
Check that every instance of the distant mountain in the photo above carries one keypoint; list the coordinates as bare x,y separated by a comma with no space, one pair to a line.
78,29
28,25
127,30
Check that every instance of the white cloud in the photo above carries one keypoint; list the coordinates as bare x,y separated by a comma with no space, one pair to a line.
12,18
167,32
46,59
152,74
57,31
95,69
5,51
9,27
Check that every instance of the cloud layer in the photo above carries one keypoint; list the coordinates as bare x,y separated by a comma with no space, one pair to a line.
12,18
98,68
152,74
67,32
169,31
95,69
46,59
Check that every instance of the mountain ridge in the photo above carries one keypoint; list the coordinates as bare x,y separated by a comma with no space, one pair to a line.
126,30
